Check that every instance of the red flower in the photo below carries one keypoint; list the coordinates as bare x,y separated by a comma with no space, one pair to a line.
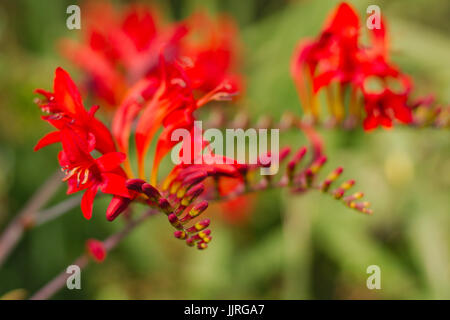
172,103
382,107
211,48
337,57
334,56
166,101
67,110
84,173
120,55
119,49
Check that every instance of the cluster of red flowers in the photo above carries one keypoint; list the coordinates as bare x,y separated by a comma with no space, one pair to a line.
338,62
121,47
155,76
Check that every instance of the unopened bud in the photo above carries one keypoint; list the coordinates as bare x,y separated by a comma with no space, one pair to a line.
331,178
353,197
202,245
174,221
192,193
96,250
179,234
164,205
151,192
195,211
199,226
339,192
116,206
135,184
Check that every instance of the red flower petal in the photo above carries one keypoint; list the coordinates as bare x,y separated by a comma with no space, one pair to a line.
344,20
103,138
110,161
49,138
67,94
130,108
370,123
108,83
116,206
87,202
114,184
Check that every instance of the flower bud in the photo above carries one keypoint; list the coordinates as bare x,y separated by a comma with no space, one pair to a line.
96,250
199,226
192,193
194,178
117,205
315,167
174,221
361,206
195,211
284,153
339,192
294,162
331,178
164,205
198,208
202,245
353,197
179,234
135,184
151,192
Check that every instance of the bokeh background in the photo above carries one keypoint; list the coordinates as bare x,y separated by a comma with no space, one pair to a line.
308,247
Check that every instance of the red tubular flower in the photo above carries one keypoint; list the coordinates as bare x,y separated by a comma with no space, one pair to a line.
212,50
166,101
170,105
119,49
83,172
375,59
333,57
341,37
336,61
158,82
67,110
129,110
174,96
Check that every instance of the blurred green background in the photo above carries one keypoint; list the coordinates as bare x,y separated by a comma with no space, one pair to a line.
308,247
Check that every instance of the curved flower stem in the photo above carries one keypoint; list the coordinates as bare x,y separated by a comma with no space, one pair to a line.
59,281
48,290
82,261
13,232
57,210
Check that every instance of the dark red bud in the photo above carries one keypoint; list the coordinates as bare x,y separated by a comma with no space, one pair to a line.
150,191
164,205
116,206
135,184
